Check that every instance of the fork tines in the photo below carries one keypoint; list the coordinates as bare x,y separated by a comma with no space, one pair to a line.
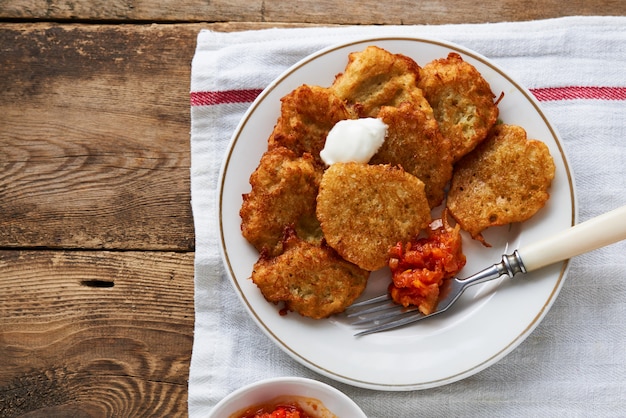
380,313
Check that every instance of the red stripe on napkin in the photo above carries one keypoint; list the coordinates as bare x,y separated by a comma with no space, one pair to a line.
543,94
207,98
576,92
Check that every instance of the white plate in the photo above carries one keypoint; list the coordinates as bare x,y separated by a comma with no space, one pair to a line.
487,322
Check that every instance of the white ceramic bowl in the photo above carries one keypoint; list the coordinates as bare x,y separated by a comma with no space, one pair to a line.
334,401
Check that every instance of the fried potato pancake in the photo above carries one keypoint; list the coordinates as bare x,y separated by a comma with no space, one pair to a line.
462,101
375,77
504,180
284,191
310,279
307,115
366,209
414,142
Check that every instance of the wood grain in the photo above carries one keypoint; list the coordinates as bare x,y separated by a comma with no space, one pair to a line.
95,333
397,12
95,142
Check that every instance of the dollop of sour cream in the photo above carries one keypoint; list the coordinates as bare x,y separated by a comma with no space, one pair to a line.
354,140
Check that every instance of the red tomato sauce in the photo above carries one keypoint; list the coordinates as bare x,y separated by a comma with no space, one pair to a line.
286,406
275,411
419,267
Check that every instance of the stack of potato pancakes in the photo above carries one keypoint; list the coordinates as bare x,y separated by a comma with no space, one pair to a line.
320,230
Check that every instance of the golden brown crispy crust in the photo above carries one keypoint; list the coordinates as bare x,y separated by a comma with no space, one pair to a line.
310,279
284,191
375,77
415,143
308,113
365,209
319,233
462,101
505,179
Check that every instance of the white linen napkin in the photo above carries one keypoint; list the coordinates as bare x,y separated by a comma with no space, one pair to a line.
574,363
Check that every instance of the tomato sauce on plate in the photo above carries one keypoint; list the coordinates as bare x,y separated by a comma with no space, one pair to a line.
419,268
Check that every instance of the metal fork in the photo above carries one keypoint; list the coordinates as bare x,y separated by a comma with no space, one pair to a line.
382,314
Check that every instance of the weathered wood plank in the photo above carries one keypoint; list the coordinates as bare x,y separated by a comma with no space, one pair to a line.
95,333
307,11
94,141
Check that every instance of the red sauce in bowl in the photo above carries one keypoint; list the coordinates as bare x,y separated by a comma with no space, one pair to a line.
279,411
286,407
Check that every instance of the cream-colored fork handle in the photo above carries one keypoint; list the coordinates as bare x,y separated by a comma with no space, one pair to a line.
587,236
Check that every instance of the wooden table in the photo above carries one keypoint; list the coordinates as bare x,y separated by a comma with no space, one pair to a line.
96,229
